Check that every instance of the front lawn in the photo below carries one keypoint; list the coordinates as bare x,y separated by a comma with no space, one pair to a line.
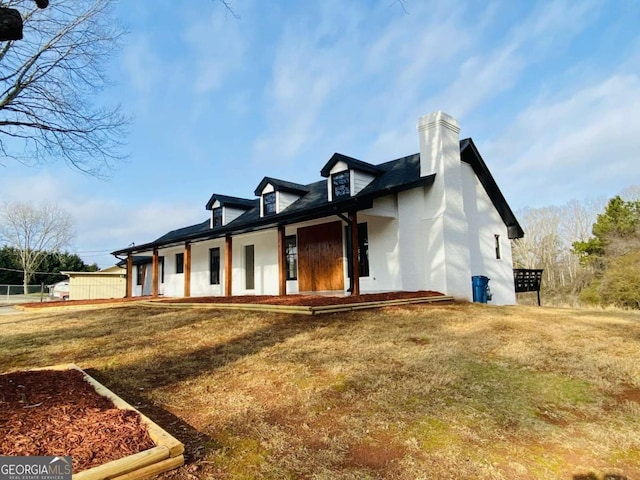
415,392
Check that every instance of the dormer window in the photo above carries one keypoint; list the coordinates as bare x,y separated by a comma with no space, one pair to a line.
269,203
340,184
217,217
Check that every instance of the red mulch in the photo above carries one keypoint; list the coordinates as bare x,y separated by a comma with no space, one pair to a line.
296,300
49,412
69,303
305,300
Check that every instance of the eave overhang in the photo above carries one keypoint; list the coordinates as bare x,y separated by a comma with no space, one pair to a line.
470,155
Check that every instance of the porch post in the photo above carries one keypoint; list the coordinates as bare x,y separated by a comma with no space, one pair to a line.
129,291
282,263
187,269
355,267
228,252
154,273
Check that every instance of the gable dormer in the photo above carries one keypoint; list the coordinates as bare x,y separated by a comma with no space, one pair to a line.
276,195
225,209
347,176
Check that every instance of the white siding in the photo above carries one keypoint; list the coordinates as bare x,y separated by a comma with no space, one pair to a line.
200,274
266,263
383,207
384,255
412,240
284,199
173,285
339,167
230,214
484,223
359,180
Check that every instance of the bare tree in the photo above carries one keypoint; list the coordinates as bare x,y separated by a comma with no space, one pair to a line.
34,231
48,81
631,194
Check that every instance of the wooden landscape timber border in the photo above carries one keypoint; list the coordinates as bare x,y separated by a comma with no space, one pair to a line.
165,456
302,310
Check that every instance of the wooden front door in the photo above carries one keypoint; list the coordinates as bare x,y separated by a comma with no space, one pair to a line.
320,263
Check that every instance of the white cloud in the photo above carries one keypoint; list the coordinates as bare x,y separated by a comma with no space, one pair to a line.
141,64
217,47
306,73
580,143
102,224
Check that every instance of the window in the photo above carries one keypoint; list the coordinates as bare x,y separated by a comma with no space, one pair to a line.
140,274
340,184
217,217
498,252
291,255
363,250
214,266
269,203
249,267
161,269
179,262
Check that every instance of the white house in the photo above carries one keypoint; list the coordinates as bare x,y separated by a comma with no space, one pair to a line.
428,221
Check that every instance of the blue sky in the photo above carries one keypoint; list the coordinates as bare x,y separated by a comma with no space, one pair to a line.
548,90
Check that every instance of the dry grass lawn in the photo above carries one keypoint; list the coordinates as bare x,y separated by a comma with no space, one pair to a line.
416,392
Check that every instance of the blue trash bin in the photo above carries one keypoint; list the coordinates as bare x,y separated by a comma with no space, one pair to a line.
480,285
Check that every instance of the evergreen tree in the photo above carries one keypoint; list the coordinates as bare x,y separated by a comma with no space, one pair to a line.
613,253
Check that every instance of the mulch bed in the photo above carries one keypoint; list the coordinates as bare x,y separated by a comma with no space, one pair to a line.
70,303
52,412
306,300
296,300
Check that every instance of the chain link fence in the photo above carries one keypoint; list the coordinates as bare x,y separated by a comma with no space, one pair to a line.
16,294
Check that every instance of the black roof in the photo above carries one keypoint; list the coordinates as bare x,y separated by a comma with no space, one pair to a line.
233,202
281,185
392,177
352,163
470,154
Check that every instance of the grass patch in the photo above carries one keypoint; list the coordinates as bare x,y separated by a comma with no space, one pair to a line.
460,391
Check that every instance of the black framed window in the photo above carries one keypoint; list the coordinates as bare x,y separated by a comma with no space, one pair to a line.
161,269
249,267
291,254
140,274
498,252
217,217
269,203
179,262
340,184
214,266
363,249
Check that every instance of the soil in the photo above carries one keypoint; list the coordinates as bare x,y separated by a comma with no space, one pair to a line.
50,412
296,300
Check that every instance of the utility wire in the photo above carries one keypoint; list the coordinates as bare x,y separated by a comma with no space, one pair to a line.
35,273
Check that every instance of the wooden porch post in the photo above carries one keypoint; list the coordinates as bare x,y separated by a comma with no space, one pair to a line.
129,292
187,269
355,266
154,273
228,264
282,263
